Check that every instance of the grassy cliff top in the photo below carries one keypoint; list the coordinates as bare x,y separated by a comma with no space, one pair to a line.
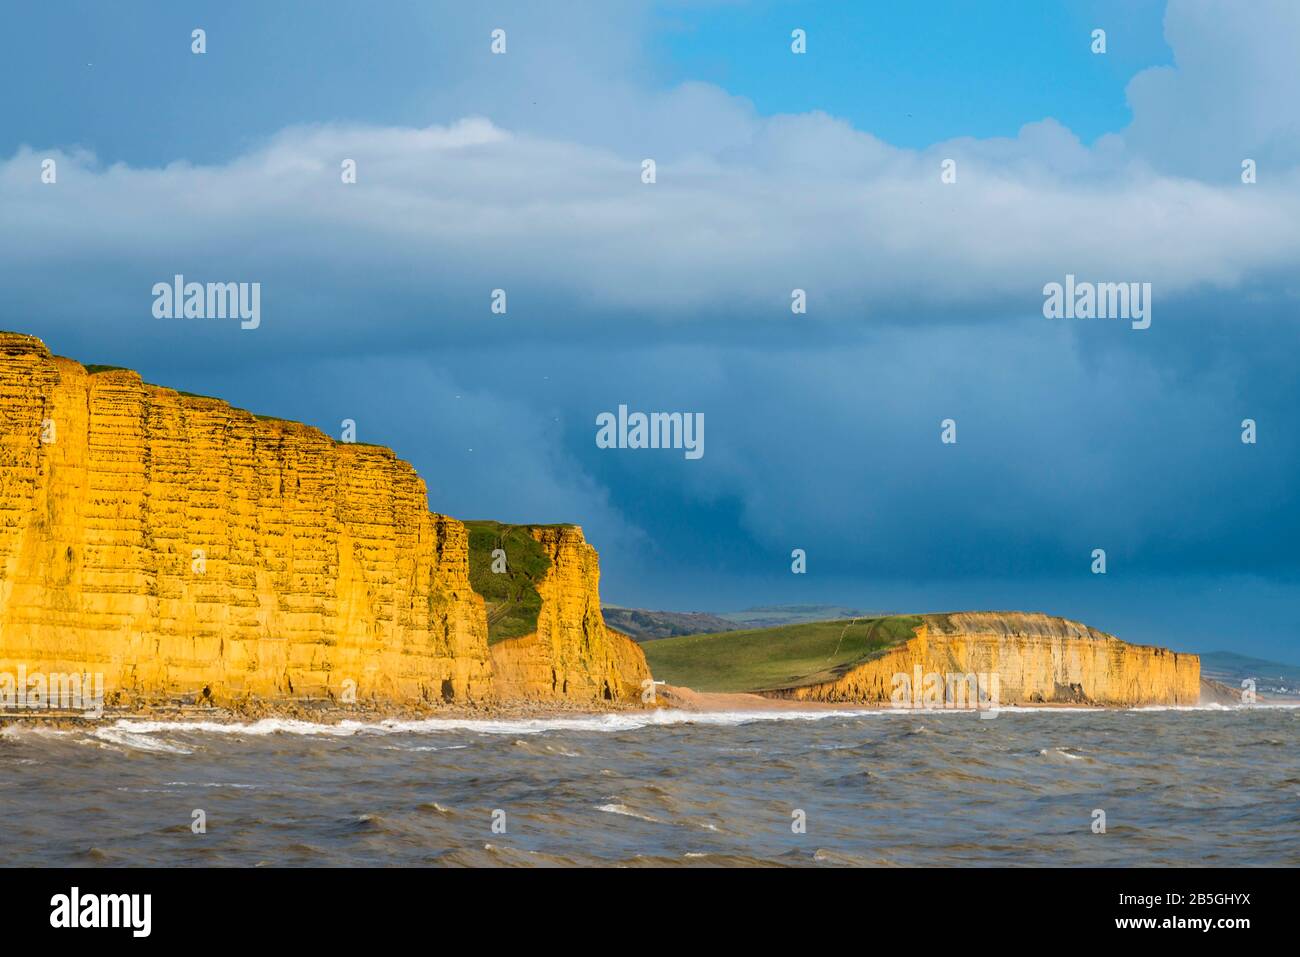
762,659
94,369
513,603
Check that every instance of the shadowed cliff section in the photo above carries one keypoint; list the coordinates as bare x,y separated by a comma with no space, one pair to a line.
184,548
1039,659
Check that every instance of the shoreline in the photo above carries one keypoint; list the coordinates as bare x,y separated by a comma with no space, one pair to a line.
705,702
672,699
310,712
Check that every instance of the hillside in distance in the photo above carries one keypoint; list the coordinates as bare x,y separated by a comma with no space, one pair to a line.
769,616
770,659
644,624
1037,659
1270,677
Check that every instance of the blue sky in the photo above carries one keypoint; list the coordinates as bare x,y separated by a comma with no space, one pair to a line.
912,74
920,73
775,172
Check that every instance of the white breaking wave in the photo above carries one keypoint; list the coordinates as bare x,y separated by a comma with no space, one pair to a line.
626,721
1061,752
17,732
211,784
1215,706
129,738
128,732
626,811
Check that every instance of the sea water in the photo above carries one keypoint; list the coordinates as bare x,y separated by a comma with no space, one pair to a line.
1214,786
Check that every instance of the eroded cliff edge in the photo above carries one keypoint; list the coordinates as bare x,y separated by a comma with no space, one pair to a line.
182,547
1039,659
572,652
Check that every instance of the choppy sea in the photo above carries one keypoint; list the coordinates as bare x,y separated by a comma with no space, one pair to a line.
1205,786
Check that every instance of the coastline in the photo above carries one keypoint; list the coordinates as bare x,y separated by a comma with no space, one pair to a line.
323,714
672,700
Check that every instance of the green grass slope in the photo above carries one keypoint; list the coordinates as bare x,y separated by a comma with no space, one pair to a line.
512,599
764,659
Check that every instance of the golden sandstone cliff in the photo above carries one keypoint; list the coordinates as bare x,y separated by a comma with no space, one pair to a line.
572,653
1037,659
182,547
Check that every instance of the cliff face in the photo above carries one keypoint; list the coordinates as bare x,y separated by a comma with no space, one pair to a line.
1038,658
174,544
572,655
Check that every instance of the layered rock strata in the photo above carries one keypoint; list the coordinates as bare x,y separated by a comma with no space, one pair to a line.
572,653
184,548
1037,658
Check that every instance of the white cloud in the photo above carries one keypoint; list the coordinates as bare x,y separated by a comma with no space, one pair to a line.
445,214
1231,94
745,209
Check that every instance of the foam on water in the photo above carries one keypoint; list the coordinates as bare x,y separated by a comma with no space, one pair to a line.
623,721
127,738
626,811
628,721
133,733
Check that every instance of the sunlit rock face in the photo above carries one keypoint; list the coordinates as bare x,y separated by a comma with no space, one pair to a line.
182,547
572,655
1038,659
